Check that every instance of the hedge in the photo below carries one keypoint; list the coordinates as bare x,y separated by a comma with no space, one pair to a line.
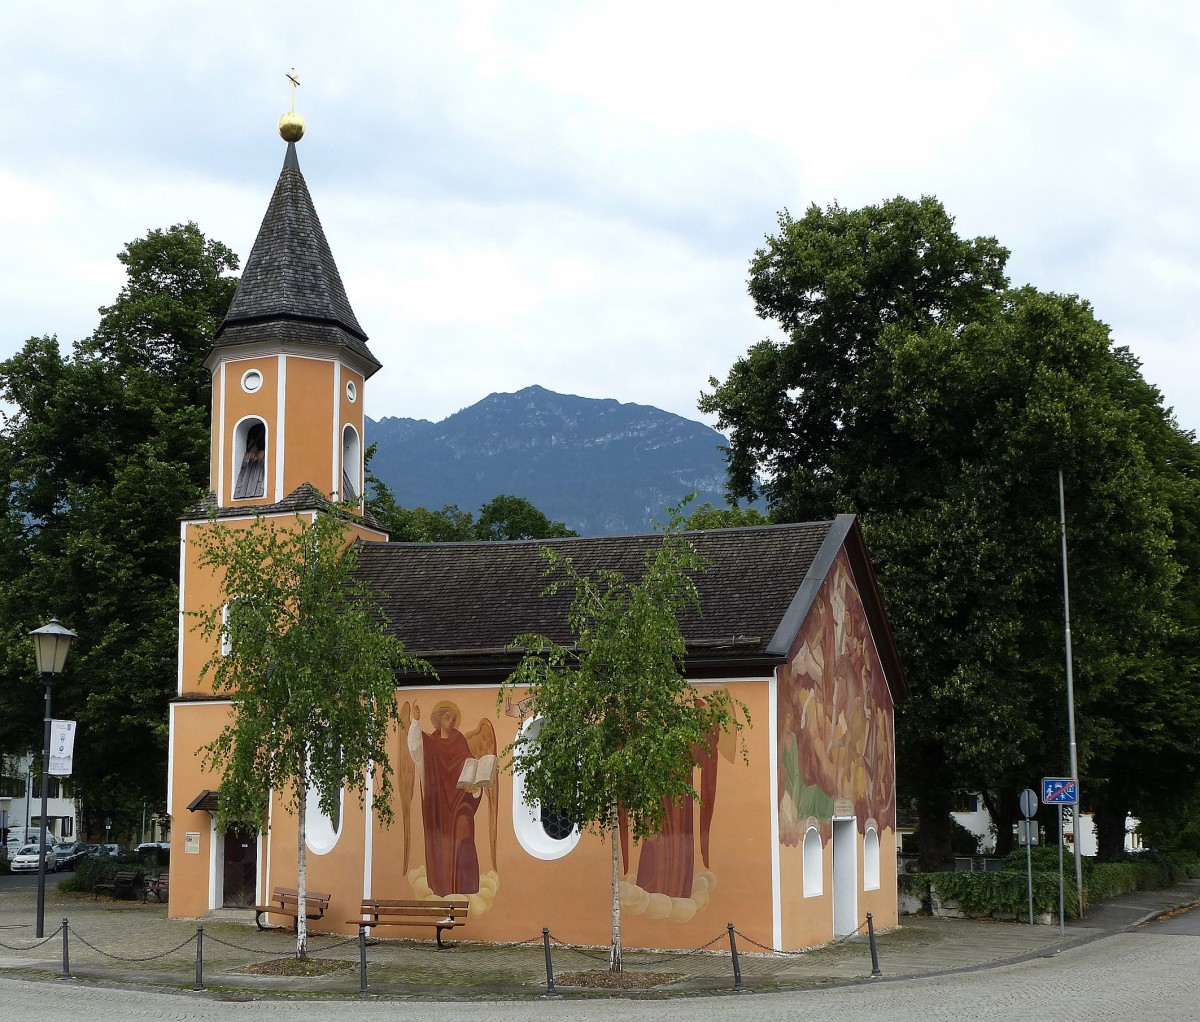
1007,892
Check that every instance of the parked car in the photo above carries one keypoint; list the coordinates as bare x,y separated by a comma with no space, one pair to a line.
68,855
27,858
114,850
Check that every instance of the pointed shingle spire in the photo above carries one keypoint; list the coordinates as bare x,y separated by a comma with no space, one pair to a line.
291,291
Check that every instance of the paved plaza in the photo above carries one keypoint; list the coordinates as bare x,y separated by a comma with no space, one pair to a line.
128,944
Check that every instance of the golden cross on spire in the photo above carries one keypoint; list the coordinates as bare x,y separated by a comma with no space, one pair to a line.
295,83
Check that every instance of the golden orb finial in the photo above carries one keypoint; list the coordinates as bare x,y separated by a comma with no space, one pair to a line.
291,124
291,127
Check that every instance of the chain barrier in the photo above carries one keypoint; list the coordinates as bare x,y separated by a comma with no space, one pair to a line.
34,946
802,951
675,956
596,956
122,958
669,956
209,938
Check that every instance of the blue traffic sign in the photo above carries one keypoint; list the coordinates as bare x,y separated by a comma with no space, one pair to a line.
1060,791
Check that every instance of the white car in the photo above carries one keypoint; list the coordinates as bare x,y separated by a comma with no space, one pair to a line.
26,859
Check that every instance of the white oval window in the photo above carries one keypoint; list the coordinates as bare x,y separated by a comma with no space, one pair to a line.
252,381
351,392
542,831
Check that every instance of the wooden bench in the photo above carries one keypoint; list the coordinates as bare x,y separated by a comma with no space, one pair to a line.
444,915
159,886
285,901
125,883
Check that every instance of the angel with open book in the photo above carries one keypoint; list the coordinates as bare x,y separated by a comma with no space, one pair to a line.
454,771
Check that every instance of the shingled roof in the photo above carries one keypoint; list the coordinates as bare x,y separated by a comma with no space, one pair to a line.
303,499
290,291
459,605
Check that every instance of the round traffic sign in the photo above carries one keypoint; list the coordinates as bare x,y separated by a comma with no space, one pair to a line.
1029,803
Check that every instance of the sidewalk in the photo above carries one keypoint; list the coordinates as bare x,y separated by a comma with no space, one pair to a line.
118,943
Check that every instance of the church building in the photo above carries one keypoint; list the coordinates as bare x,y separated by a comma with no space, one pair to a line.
794,843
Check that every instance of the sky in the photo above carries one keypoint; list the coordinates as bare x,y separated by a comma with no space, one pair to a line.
569,193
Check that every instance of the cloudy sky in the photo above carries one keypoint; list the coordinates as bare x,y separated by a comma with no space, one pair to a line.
568,193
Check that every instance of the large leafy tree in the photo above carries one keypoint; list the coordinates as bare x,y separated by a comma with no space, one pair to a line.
619,722
305,657
919,391
801,414
103,450
972,556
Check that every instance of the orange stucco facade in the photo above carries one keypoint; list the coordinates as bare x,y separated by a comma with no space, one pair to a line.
754,875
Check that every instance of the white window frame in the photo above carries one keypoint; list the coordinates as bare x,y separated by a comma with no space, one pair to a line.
240,432
527,819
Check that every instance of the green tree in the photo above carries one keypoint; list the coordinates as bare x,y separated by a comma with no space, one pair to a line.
619,721
501,518
800,414
706,516
506,517
103,451
304,655
917,390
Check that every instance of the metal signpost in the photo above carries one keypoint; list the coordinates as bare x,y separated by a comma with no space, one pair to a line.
1029,807
1061,791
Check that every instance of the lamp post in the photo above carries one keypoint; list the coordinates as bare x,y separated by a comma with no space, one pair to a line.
50,643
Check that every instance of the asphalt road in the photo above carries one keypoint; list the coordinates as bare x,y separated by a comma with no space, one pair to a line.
28,881
1147,973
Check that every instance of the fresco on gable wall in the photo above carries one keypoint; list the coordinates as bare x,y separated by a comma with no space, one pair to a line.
836,744
455,775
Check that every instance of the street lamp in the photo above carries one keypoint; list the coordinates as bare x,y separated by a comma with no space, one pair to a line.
51,644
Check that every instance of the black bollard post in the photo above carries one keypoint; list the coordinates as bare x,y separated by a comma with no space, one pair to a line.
199,958
738,986
66,973
550,991
362,959
875,972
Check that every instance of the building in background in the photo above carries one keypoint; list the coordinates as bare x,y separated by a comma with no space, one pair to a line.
20,801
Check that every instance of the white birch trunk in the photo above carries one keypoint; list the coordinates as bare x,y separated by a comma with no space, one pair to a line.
301,874
614,957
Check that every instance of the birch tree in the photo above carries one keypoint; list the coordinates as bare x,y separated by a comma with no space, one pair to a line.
619,721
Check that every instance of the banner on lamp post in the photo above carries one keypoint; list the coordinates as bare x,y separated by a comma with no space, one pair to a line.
62,747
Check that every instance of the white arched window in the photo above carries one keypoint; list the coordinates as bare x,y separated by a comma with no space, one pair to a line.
249,459
542,831
871,859
321,831
351,464
814,866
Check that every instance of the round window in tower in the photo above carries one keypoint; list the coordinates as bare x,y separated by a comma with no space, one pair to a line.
351,392
252,381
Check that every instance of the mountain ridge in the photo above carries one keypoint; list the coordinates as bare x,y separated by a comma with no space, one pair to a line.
601,466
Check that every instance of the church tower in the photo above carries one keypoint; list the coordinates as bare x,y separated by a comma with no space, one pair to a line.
289,363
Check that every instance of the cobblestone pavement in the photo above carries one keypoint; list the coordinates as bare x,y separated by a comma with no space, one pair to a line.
127,944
